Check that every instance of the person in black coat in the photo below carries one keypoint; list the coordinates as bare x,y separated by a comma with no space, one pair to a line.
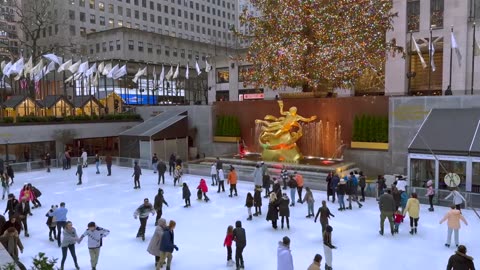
11,205
12,222
276,187
79,172
37,193
257,201
284,209
22,210
137,171
2,221
171,163
10,173
341,190
329,186
48,161
154,163
460,260
186,194
240,238
266,182
272,214
167,244
158,203
161,168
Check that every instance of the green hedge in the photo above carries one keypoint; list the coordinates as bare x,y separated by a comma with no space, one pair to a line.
228,125
367,128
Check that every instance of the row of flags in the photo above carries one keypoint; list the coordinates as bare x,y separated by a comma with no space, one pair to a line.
431,50
88,73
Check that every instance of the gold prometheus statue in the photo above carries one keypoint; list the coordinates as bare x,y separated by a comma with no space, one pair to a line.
280,135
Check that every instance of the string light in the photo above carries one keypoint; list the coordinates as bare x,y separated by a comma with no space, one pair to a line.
313,44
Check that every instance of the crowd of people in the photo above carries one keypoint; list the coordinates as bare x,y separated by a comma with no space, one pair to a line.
393,202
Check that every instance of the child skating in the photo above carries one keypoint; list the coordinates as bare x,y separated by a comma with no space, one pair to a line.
249,205
257,201
186,194
228,244
204,188
398,219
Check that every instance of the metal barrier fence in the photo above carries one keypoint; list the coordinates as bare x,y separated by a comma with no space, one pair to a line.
472,199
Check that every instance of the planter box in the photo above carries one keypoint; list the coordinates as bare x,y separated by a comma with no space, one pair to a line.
225,139
369,145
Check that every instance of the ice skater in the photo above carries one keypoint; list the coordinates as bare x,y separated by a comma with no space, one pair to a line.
11,174
97,163
213,174
5,181
272,214
109,161
257,201
310,202
60,215
51,223
228,244
154,245
387,207
95,235
137,171
70,238
232,180
22,211
221,181
397,219
413,210
284,255
167,245
327,247
240,238
324,214
453,218
284,210
249,205
186,195
292,184
48,161
430,194
458,199
204,188
158,203
177,175
84,157
79,172
284,176
161,168
154,163
142,213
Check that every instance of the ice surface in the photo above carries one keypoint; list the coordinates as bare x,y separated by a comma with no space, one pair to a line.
111,201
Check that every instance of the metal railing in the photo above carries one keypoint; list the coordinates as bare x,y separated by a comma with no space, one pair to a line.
472,199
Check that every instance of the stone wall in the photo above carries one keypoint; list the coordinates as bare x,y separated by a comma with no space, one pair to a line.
371,162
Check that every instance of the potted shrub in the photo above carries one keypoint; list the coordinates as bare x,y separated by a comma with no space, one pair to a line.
227,129
370,132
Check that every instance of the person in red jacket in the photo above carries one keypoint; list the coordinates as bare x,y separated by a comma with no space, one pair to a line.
398,218
228,243
204,188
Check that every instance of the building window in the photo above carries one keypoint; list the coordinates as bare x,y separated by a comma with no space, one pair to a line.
129,13
159,19
128,24
71,15
120,23
159,7
110,45
144,16
83,31
104,46
92,4
175,54
152,5
82,16
152,18
166,21
97,47
111,23
436,13
140,46
243,71
149,48
81,3
110,8
119,47
92,18
101,6
130,45
159,50
120,10
137,14
102,20
182,53
167,51
223,75
144,3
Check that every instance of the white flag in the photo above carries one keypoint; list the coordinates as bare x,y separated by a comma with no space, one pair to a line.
112,71
101,67
52,57
177,71
65,66
17,67
208,67
6,70
169,74
83,67
431,49
37,69
477,48
120,72
187,71
419,53
73,68
154,73
91,70
162,75
49,68
39,75
457,50
2,65
197,67
139,73
107,69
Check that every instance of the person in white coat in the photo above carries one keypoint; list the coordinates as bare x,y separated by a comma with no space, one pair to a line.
213,173
258,176
458,199
154,245
84,158
284,255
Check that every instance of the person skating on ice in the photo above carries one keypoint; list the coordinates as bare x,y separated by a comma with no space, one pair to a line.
460,260
276,187
70,238
232,181
240,238
137,171
11,241
79,172
413,210
213,173
272,214
48,161
341,190
10,174
22,211
158,203
249,205
171,164
284,255
154,245
221,181
387,207
257,176
352,186
154,163
228,244
11,223
457,198
51,223
186,194
300,182
161,168
60,215
324,214
5,183
284,210
11,205
167,245
310,202
430,194
97,163
84,157
317,260
108,162
362,183
142,213
453,218
257,201
95,235
204,188
292,184
36,194
397,219
327,247
284,176
177,175
27,194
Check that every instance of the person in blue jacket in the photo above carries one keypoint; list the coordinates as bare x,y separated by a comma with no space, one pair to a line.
167,245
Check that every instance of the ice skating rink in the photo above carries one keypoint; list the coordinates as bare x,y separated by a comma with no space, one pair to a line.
110,202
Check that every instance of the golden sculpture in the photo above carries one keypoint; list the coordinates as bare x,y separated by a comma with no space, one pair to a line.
280,135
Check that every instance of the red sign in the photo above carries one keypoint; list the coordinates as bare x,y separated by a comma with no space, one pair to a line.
253,96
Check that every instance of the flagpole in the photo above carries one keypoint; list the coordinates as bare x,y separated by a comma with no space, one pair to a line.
430,62
451,58
148,88
473,60
410,64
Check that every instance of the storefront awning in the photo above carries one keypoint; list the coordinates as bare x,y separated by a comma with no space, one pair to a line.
448,132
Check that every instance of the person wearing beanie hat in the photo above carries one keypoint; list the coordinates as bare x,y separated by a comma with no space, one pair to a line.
327,247
284,255
158,203
240,238
430,193
460,260
317,260
137,171
142,212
